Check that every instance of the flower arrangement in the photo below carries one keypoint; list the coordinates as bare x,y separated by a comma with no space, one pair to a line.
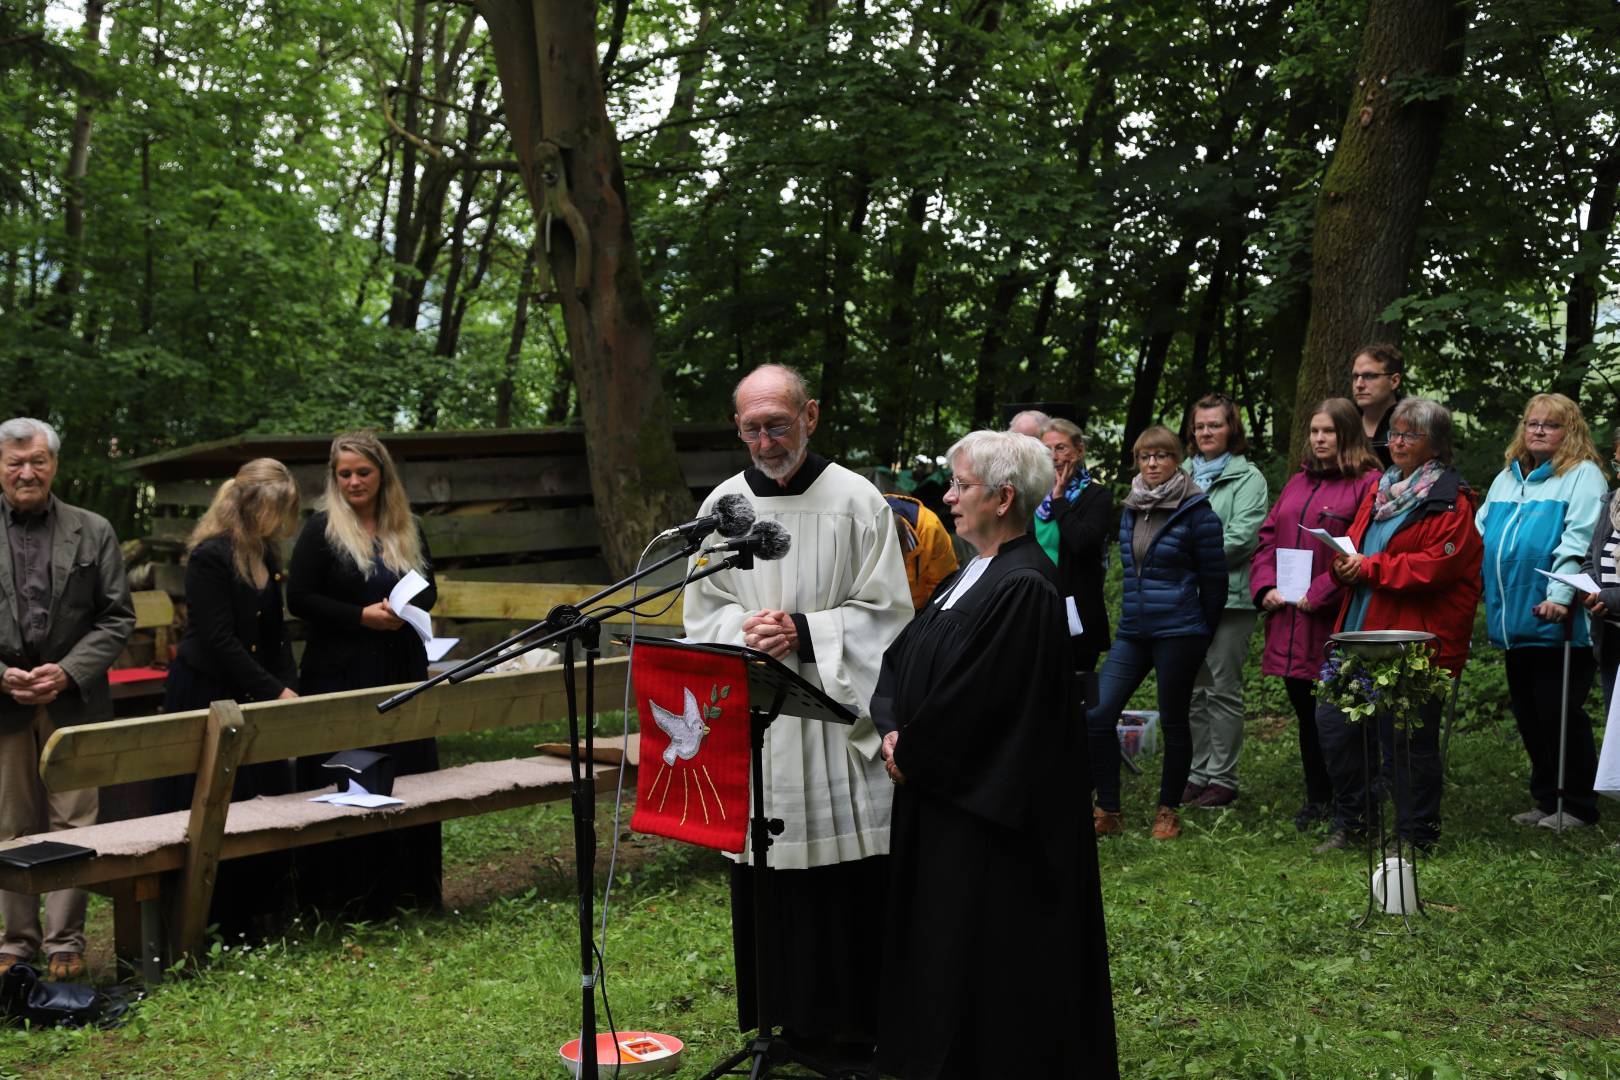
1400,683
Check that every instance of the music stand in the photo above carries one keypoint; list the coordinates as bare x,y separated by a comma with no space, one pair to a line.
773,688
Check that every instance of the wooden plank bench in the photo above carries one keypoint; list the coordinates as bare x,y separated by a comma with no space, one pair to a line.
160,870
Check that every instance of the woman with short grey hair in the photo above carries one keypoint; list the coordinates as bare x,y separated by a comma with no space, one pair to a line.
1432,419
974,705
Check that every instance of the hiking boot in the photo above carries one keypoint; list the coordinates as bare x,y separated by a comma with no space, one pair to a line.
1562,821
1166,824
1531,816
65,965
1216,795
1107,822
1309,815
1191,792
7,960
1338,840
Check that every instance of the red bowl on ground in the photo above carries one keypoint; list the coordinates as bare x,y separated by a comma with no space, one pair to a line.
636,1053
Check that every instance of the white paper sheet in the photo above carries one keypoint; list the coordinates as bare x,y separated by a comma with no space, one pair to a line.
1075,628
1583,582
1608,770
1293,573
399,601
1341,544
358,796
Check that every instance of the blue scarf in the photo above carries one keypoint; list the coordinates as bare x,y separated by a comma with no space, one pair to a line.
1071,491
1204,471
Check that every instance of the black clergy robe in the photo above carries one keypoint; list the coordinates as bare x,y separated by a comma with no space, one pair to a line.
995,955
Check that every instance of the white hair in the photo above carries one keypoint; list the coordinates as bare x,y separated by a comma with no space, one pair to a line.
1034,416
25,429
1006,457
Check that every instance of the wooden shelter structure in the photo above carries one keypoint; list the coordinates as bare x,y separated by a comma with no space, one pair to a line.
498,505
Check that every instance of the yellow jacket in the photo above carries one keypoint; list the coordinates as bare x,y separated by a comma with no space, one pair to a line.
926,546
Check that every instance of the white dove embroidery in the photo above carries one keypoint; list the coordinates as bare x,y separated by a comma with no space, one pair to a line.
685,730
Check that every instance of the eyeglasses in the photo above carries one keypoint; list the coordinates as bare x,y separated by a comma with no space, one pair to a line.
1219,425
1147,457
1541,427
1407,436
776,432
958,486
1368,376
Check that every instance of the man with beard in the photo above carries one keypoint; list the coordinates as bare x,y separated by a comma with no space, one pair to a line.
828,610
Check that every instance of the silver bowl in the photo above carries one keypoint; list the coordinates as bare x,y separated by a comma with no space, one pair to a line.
1379,643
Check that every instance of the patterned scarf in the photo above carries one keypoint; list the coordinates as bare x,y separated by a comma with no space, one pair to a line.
1071,491
1397,496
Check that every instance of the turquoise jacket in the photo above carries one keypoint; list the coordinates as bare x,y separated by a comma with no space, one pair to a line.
1240,498
1530,523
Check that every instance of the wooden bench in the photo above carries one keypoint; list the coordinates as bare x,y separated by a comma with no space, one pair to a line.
160,870
530,602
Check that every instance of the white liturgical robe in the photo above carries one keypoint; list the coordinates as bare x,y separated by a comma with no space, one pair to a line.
845,574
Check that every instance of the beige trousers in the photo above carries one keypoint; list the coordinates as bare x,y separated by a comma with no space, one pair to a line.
26,808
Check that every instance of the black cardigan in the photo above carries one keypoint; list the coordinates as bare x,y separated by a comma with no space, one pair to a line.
1084,527
328,592
234,630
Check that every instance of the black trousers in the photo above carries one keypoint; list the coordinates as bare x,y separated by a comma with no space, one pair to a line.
1405,764
1175,661
1535,678
1318,785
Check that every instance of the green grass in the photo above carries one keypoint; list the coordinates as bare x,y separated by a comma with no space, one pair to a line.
1233,955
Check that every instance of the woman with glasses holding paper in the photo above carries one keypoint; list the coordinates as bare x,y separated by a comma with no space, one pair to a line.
1416,567
349,557
1539,517
235,648
1290,581
1174,592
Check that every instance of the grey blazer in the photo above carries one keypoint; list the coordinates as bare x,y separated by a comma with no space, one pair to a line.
91,617
1594,551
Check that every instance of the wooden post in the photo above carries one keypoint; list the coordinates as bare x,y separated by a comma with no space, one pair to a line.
224,741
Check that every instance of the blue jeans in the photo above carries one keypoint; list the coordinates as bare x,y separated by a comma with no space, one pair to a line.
1175,660
1407,767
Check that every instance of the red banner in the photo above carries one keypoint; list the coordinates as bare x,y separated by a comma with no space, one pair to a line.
692,784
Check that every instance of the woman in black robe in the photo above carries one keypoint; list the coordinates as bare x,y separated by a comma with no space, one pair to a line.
235,648
993,877
348,558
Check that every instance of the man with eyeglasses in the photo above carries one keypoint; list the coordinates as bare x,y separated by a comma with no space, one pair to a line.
1375,383
829,610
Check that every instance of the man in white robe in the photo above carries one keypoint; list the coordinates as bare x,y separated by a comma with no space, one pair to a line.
829,610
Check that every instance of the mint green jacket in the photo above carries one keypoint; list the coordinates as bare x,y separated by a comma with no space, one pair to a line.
1240,498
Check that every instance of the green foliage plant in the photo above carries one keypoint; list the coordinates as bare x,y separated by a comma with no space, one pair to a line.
1399,683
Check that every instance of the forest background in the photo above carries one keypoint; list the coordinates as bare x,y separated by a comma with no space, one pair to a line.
219,217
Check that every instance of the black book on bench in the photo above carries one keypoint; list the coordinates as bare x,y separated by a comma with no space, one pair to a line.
28,856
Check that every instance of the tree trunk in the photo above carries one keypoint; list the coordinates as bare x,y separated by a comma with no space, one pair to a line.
1374,191
507,387
1161,324
545,53
1581,302
987,380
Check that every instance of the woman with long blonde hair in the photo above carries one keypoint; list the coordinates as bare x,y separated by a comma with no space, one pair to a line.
349,556
1539,515
235,647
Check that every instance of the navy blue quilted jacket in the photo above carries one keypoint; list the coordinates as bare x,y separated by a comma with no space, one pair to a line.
1180,588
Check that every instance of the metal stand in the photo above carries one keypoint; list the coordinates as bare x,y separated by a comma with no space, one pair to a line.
1378,834
1563,714
767,1049
568,623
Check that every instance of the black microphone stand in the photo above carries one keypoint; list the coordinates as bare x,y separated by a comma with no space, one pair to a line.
568,622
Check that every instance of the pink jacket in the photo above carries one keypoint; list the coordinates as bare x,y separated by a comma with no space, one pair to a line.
1296,640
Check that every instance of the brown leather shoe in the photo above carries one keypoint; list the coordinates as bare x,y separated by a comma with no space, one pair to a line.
1191,792
1166,824
65,965
7,960
1107,822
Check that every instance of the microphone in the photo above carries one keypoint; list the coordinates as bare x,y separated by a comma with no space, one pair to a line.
731,516
766,540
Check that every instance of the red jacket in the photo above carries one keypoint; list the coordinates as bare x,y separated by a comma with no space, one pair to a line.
1427,578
